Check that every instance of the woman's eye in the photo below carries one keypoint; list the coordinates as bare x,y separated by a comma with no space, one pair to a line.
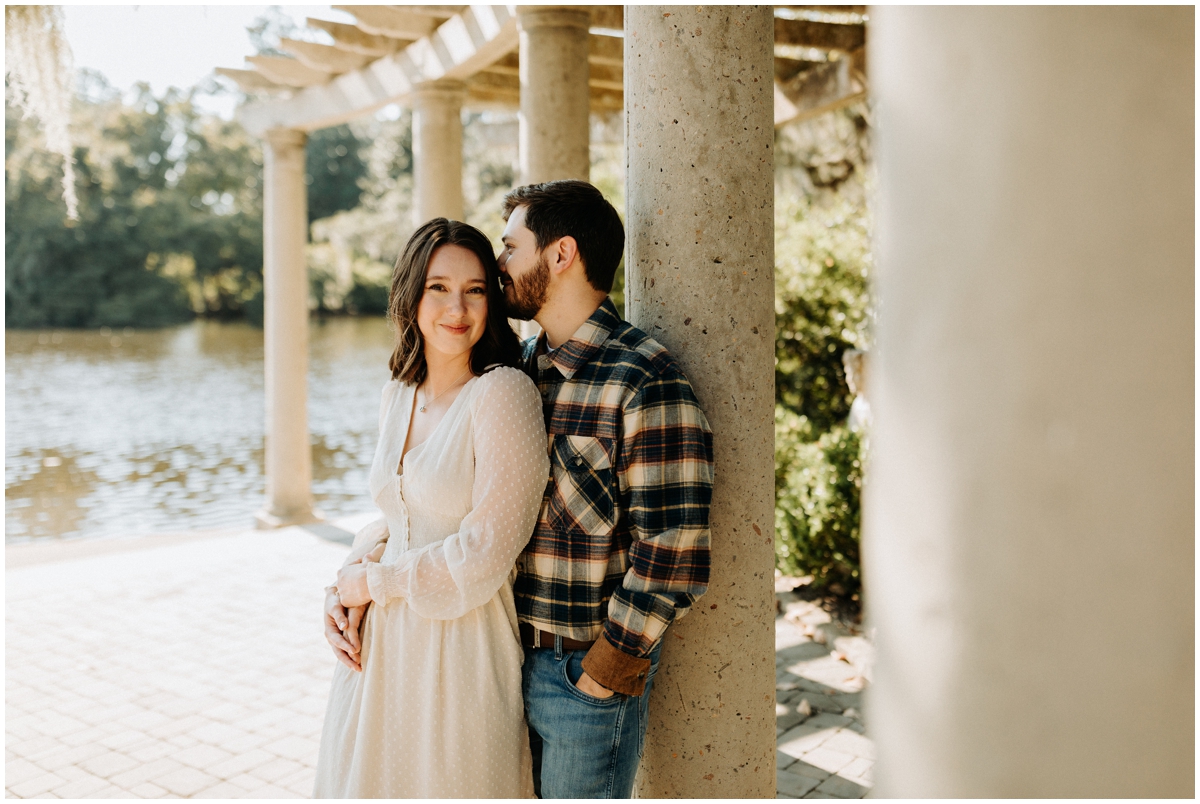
477,290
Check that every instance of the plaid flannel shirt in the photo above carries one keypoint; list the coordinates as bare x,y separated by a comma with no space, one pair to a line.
621,546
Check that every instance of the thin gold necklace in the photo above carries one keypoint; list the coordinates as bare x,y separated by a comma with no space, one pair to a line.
428,402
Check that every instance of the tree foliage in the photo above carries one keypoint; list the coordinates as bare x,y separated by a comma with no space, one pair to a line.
822,308
170,212
334,169
170,216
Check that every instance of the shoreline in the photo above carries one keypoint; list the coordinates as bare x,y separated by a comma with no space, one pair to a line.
339,529
50,550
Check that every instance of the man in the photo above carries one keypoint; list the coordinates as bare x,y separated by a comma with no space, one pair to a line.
621,547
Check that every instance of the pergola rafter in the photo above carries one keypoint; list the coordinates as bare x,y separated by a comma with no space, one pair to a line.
819,62
353,39
457,49
324,57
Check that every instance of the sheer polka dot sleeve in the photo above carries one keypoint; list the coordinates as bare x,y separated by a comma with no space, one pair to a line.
446,579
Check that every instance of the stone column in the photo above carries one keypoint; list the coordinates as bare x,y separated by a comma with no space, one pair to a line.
437,150
1029,531
699,212
553,123
285,331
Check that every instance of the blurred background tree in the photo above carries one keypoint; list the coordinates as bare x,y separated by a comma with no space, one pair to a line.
170,215
170,211
333,170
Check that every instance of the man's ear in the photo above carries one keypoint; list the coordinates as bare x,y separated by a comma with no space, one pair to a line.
563,253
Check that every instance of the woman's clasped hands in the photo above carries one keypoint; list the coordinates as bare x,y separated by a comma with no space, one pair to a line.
345,606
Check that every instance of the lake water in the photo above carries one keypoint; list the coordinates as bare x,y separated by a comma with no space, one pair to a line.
123,432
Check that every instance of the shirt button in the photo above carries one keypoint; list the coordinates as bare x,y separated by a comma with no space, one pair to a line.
642,674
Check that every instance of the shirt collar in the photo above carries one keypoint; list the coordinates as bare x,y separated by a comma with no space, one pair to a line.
573,355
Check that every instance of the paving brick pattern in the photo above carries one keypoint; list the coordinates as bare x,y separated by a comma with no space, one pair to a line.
196,669
175,671
821,670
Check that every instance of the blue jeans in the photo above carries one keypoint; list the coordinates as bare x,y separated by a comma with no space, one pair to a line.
583,747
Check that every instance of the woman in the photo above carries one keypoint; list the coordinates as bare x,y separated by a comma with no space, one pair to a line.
428,704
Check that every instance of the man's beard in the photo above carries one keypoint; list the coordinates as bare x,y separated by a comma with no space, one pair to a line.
527,293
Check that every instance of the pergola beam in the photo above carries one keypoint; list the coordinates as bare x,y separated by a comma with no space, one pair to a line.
823,35
606,76
289,72
508,65
250,80
611,17
459,48
391,21
833,9
817,90
498,89
604,54
355,40
608,50
493,82
323,57
441,12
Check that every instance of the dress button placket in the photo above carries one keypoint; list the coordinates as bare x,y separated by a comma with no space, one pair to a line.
404,511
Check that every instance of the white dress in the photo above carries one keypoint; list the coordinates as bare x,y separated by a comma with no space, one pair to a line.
437,710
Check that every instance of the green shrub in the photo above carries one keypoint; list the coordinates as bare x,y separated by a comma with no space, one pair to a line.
822,308
817,489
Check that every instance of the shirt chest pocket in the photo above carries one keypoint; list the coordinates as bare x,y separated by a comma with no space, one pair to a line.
581,496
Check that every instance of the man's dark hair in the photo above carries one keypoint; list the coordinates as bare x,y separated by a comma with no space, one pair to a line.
572,208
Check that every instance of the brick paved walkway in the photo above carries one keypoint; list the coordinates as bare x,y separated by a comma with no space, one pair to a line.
193,667
820,672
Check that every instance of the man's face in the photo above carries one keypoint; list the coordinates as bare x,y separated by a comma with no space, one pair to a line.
524,270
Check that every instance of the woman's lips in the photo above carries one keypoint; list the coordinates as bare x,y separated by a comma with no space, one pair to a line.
457,330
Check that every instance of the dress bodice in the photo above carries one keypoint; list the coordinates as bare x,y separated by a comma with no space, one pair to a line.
426,493
462,506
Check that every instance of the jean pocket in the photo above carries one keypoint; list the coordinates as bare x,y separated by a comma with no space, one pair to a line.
572,671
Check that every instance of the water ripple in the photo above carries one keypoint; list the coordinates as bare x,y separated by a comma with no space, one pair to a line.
151,431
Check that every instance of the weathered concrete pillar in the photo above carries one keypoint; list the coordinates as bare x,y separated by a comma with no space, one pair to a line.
699,211
553,123
285,331
1029,529
437,150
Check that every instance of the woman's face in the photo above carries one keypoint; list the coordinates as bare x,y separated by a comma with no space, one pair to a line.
453,311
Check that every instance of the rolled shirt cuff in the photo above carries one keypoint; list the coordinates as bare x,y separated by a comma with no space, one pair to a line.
614,669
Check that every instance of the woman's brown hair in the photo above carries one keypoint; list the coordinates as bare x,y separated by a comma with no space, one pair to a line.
498,344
